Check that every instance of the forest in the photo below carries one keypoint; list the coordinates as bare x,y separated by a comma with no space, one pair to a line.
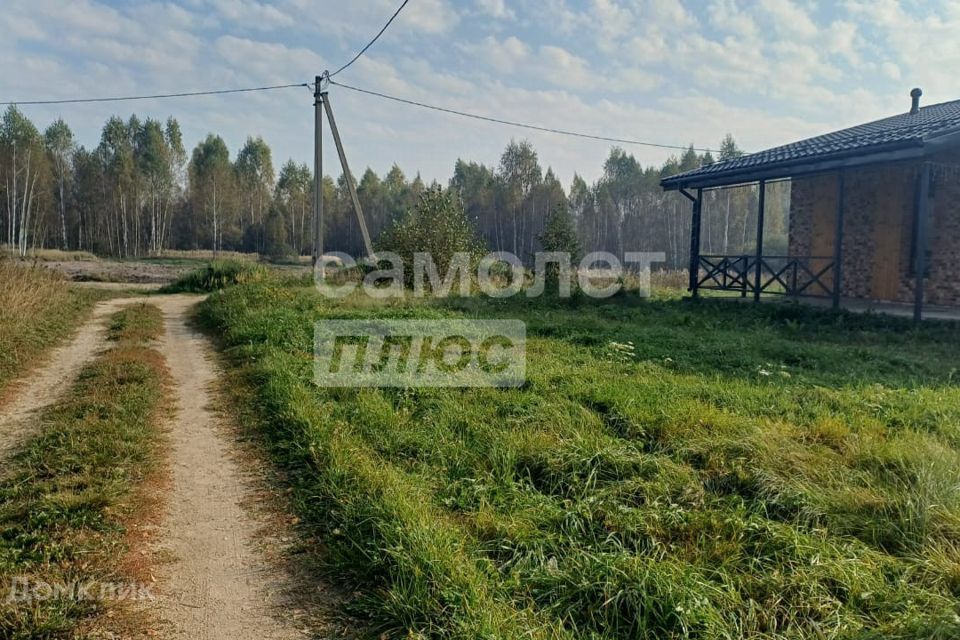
140,192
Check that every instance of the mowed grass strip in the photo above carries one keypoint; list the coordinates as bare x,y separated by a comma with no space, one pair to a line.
38,309
669,470
66,499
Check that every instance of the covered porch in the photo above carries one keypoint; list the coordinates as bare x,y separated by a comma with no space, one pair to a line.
874,216
823,244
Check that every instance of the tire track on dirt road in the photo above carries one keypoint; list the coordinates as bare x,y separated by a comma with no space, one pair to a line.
42,386
213,580
217,584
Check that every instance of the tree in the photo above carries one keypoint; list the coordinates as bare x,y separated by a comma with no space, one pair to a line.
25,172
176,163
293,197
154,168
275,235
211,185
729,149
136,192
60,146
560,236
476,186
519,174
116,154
254,173
437,226
88,200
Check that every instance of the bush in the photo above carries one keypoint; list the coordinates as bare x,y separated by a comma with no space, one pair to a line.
217,275
438,226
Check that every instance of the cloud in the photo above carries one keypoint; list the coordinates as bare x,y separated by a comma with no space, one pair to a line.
609,19
253,15
20,27
430,16
505,55
727,16
788,18
768,71
496,8
261,59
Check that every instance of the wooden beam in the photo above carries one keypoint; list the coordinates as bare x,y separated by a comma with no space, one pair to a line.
695,230
838,239
761,213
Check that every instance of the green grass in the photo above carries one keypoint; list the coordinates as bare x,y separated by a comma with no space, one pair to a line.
215,276
765,471
136,324
38,309
66,497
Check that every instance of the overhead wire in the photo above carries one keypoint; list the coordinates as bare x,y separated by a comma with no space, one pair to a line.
328,78
184,94
370,44
512,123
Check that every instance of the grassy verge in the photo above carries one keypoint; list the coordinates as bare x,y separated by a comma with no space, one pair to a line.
66,499
37,310
215,276
669,470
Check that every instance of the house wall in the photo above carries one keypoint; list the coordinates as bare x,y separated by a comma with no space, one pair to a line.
878,229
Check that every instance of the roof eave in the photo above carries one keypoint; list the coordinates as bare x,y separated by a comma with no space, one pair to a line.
903,150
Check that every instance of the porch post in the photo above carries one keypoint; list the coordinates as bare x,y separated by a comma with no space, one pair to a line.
920,239
838,240
695,230
761,211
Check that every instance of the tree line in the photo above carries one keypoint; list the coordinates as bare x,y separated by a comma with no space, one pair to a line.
139,192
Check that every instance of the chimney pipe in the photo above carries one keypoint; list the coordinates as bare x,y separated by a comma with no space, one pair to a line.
915,106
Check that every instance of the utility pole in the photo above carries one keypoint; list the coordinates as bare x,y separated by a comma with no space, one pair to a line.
318,96
348,177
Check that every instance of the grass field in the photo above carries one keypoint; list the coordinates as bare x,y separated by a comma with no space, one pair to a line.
66,498
668,470
216,275
37,309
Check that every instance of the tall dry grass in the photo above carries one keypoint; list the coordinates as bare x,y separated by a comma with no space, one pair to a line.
37,309
207,255
49,255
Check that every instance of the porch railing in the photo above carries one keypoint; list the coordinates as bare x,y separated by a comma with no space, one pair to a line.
809,276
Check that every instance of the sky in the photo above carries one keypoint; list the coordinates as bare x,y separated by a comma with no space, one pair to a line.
767,71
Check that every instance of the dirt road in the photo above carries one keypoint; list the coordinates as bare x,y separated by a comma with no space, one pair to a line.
44,384
218,585
213,580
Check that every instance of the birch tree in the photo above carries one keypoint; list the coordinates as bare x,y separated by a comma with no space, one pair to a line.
25,170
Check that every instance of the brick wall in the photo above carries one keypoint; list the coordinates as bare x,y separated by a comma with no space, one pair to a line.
878,229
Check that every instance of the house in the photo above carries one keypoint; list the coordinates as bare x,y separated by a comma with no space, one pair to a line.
874,214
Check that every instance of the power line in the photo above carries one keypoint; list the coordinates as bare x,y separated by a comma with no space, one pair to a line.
518,124
157,96
375,38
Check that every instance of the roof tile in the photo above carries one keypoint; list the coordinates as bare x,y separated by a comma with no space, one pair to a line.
905,128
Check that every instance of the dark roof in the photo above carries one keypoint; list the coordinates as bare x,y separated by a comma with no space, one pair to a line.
905,133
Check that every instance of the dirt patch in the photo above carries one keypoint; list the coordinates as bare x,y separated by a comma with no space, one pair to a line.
118,271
